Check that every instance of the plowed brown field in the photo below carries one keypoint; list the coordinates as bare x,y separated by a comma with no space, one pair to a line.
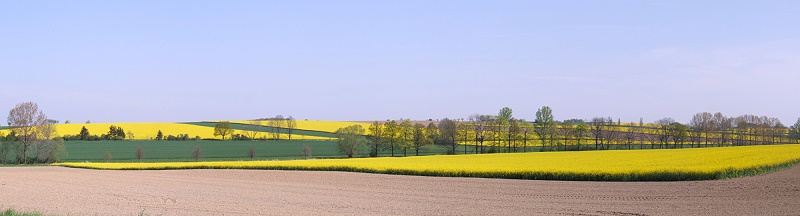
63,191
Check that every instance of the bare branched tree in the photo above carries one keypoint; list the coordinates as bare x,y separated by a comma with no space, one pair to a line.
664,131
567,131
251,129
251,152
139,153
275,125
478,127
598,128
307,152
26,121
197,153
291,124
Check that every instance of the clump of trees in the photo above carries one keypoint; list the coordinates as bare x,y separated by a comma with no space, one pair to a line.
114,133
118,133
278,125
350,140
403,136
180,137
33,138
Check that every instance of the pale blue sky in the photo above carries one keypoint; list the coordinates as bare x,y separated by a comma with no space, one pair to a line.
109,61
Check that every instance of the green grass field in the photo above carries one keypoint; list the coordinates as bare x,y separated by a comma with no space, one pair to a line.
182,150
158,151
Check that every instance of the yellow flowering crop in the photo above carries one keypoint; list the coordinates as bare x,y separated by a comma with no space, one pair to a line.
149,130
313,125
611,165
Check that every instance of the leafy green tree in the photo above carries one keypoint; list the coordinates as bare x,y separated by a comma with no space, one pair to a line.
545,125
504,118
432,131
448,131
505,114
375,138
390,132
116,133
84,134
567,130
513,133
350,140
581,131
421,138
525,128
463,131
223,129
406,135
159,136
120,133
678,132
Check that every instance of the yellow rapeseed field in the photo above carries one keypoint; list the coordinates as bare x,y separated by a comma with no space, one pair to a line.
140,130
149,130
313,125
611,165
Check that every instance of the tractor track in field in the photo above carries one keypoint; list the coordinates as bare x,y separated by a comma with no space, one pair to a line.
68,191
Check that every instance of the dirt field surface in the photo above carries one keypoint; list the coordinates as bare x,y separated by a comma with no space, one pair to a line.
68,191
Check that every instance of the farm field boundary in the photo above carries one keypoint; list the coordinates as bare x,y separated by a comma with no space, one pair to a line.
612,165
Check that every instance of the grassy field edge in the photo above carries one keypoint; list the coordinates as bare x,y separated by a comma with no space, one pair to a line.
12,212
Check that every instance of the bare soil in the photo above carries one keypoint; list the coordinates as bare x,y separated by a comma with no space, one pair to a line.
68,191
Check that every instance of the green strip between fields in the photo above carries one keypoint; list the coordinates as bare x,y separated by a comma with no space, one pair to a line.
261,128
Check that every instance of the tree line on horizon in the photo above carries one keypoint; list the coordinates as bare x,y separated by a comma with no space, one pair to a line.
33,137
504,133
274,128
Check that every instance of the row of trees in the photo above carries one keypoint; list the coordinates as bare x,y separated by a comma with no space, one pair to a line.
117,133
114,133
504,133
394,136
275,127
